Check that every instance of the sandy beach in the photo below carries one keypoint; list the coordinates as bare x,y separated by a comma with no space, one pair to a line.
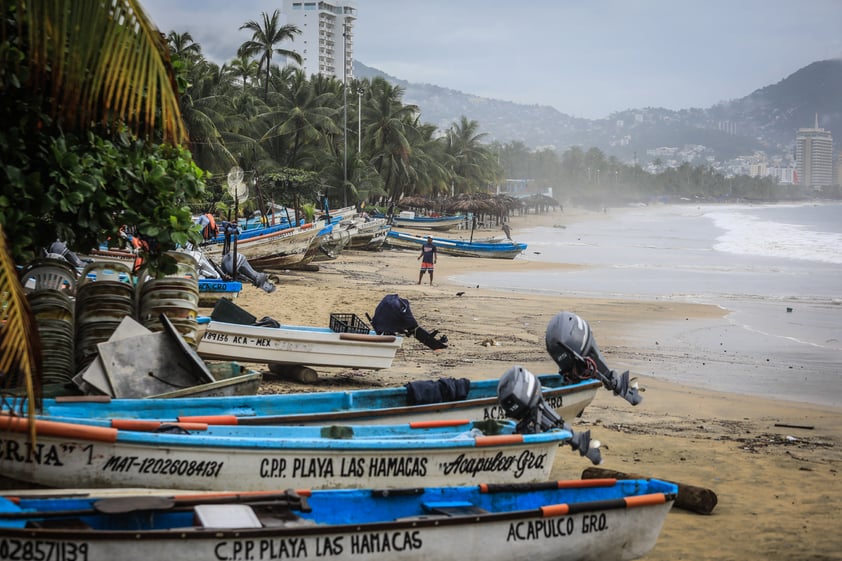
777,484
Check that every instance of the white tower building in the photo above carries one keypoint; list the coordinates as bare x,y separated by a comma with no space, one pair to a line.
326,42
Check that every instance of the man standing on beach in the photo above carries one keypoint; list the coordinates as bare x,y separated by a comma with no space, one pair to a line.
428,259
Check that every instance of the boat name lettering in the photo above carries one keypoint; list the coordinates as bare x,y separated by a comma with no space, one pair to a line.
556,527
499,462
213,286
349,467
301,548
394,466
554,401
497,413
214,336
42,550
26,453
163,466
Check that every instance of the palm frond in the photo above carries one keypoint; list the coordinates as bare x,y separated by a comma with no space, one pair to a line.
20,344
102,61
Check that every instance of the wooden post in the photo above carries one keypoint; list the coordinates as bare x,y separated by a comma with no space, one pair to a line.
690,497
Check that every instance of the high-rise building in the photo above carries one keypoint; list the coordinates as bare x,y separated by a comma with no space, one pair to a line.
326,42
814,156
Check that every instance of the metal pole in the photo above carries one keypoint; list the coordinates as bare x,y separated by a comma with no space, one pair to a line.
359,121
345,128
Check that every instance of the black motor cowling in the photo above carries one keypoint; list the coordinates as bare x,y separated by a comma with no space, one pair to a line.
519,393
393,316
571,345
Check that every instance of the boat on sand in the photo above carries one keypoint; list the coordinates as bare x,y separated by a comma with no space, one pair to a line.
549,521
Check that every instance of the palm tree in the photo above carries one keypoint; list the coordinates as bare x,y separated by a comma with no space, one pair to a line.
388,124
99,63
183,47
263,41
473,167
244,67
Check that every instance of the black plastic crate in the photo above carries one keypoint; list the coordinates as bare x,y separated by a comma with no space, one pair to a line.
348,323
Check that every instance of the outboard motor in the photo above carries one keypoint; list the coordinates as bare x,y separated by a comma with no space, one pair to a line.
519,394
260,280
571,345
393,317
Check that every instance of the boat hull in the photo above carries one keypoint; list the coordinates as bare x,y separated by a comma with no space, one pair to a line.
276,249
217,458
619,521
459,248
441,224
371,406
297,345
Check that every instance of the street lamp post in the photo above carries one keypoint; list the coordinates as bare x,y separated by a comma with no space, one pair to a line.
360,92
345,114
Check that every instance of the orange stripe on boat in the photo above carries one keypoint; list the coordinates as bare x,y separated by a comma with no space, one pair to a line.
209,419
555,510
483,487
437,423
500,439
63,430
149,426
578,483
646,500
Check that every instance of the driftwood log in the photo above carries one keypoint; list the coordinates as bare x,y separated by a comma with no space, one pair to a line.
295,372
690,497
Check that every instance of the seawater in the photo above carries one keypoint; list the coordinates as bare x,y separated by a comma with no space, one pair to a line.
776,269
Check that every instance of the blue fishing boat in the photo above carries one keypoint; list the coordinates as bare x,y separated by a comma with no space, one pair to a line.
425,400
575,520
460,248
132,453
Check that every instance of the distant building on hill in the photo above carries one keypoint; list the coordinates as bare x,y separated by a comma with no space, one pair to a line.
814,156
326,42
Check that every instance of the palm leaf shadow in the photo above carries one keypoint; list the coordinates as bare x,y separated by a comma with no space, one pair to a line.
20,343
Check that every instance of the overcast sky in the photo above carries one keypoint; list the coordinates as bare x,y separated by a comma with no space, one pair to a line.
586,58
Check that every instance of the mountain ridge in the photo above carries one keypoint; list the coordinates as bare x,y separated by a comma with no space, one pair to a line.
765,120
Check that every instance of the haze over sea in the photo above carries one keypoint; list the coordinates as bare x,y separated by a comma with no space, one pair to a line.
777,269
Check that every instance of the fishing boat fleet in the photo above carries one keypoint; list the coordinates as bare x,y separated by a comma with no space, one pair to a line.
436,469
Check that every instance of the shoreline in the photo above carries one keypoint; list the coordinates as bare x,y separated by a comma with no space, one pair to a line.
777,486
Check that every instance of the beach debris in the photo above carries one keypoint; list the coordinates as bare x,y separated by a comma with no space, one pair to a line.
789,426
460,293
690,497
489,342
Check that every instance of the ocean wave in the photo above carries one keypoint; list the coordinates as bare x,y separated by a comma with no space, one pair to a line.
746,234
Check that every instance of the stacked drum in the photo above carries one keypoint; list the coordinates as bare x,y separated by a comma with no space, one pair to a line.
50,285
104,296
175,295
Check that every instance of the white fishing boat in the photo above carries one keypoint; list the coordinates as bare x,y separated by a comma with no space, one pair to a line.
298,345
438,223
272,250
574,520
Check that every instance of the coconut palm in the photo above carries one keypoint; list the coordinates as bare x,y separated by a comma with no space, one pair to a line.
244,68
264,38
99,62
183,47
388,123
